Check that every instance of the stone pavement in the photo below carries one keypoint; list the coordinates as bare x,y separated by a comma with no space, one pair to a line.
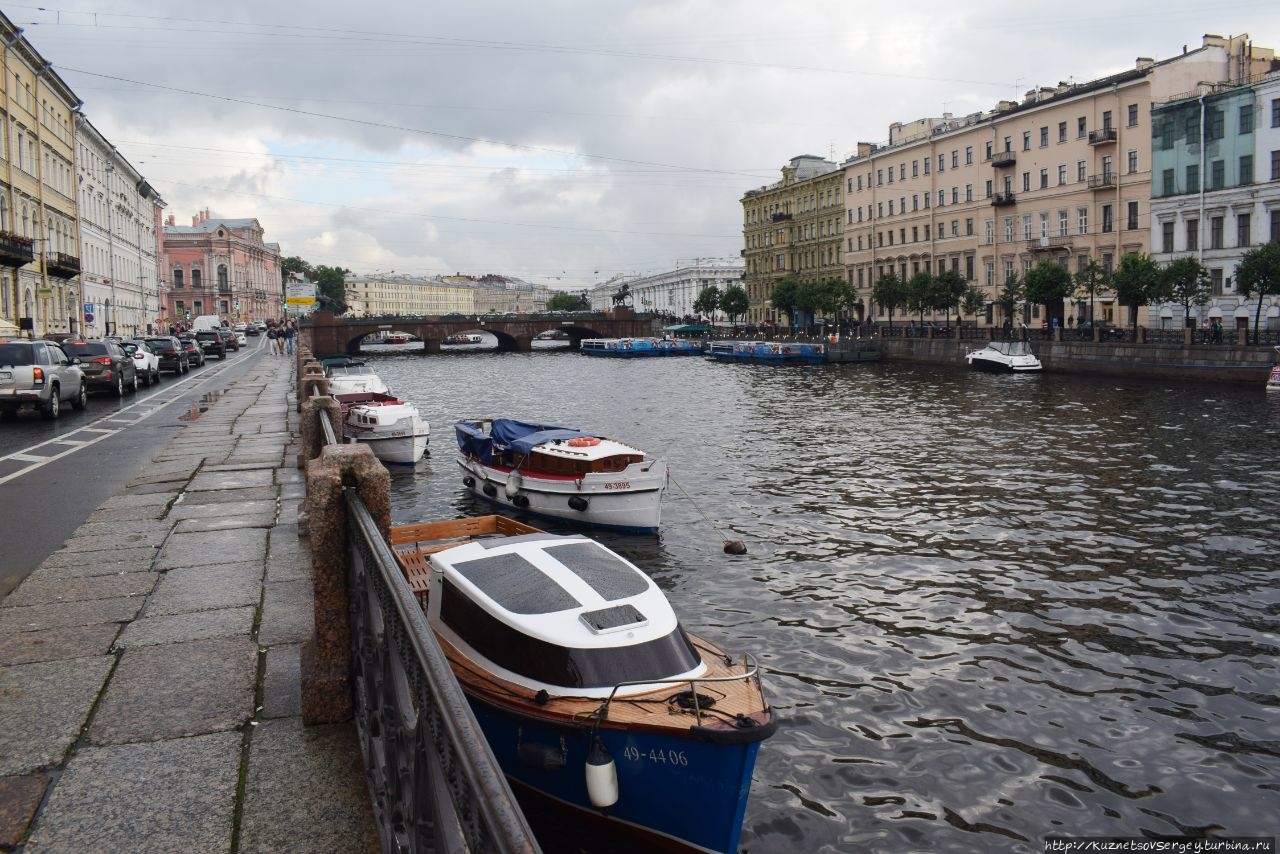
149,669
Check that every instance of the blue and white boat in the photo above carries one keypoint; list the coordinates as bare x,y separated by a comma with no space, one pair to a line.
561,472
591,694
768,352
638,348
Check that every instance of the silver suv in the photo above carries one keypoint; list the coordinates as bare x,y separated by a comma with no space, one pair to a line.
39,374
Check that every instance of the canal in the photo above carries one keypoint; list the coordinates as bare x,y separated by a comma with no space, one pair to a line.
991,608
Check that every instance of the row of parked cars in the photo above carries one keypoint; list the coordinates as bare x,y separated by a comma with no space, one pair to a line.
45,375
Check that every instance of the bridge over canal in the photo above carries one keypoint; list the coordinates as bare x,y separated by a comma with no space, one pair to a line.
330,334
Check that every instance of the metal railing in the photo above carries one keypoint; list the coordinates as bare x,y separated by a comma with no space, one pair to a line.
434,781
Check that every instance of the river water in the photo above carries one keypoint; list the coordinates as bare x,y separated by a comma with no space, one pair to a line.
990,608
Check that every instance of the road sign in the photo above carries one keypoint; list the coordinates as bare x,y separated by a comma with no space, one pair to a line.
88,317
88,308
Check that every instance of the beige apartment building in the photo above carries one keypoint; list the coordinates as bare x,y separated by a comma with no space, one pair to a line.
410,295
1065,175
792,228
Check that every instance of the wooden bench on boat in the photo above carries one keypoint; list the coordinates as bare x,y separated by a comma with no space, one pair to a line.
413,544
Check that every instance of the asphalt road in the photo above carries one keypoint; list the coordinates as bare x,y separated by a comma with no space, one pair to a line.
54,473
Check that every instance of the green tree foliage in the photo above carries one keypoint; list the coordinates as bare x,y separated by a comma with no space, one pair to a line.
708,301
568,302
1011,293
1138,281
890,293
920,294
1048,283
1258,273
949,289
734,302
973,301
332,285
1092,282
785,295
1187,282
294,264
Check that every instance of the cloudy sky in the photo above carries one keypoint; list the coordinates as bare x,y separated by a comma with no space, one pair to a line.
560,141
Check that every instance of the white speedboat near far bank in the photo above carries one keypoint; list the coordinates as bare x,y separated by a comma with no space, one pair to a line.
561,472
1009,357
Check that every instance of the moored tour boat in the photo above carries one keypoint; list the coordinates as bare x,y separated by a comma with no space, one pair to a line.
561,472
392,428
1273,379
456,340
1011,357
632,348
589,691
397,338
768,352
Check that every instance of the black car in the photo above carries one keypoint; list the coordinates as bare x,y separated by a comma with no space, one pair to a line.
195,353
105,364
172,353
229,338
212,343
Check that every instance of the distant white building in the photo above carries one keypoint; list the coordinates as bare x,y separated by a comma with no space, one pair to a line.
673,292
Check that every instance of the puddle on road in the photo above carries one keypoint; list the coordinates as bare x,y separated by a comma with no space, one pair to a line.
201,406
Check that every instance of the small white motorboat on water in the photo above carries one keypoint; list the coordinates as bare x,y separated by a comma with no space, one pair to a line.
1273,380
351,376
391,427
561,472
1009,357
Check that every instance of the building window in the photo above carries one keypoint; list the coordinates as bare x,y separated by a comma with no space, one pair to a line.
1215,127
1082,220
1008,229
989,181
195,279
1193,235
879,177
1064,223
968,192
1275,112
1275,225
926,165
1168,187
1133,160
1133,115
1215,232
1044,136
990,230
1026,181
1132,216
1246,168
177,277
942,198
926,201
891,207
955,228
1044,179
1193,177
1026,140
1082,128
955,158
1242,229
1275,165
942,162
955,195
1217,174
1108,225
1246,119
890,174
1062,131
968,227
968,155
1166,237
1215,281
991,273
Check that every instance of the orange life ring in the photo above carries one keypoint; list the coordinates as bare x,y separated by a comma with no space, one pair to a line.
583,442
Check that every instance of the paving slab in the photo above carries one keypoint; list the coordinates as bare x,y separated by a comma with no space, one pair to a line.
224,508
200,549
19,799
81,544
242,466
43,707
89,564
57,644
41,588
233,479
34,618
225,523
207,588
282,682
179,628
156,510
305,790
169,796
70,558
250,493
288,613
125,501
177,690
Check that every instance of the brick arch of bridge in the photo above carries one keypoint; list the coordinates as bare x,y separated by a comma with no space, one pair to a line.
330,335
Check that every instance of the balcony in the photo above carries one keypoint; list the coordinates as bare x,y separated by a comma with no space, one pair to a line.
1102,137
1105,181
62,265
1003,158
15,250
1049,244
1000,200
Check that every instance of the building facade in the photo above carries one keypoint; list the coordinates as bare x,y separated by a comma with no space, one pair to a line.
1063,175
379,295
671,293
120,215
792,228
39,238
1216,192
223,267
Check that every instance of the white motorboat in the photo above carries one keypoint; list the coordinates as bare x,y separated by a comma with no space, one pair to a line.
1273,379
351,376
1009,357
562,473
391,427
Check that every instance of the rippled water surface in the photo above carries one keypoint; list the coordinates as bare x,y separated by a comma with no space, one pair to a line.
991,608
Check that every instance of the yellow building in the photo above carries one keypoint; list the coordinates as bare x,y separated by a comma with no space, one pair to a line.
39,258
410,295
1065,174
792,228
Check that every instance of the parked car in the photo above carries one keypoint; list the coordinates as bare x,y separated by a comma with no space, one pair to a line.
145,360
1106,332
230,339
171,352
252,329
195,354
106,366
212,343
40,375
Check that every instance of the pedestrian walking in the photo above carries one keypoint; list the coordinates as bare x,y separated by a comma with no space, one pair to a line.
290,332
272,340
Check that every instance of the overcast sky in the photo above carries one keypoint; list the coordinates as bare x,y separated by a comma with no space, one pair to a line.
559,141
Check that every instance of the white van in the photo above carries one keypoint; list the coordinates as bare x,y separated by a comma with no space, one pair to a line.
206,322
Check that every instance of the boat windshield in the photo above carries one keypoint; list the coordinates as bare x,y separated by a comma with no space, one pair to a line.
1012,348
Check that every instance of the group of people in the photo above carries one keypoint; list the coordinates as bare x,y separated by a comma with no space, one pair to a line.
280,338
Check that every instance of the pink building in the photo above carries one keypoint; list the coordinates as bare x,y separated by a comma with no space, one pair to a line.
220,266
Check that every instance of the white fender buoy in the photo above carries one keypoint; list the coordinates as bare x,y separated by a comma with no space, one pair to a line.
513,484
602,777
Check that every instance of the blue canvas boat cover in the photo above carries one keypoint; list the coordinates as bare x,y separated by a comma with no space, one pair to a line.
508,433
